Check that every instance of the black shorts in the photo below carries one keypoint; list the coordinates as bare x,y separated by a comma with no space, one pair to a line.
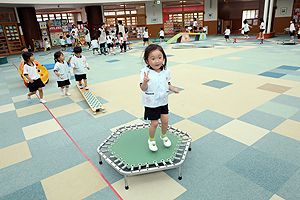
261,30
79,77
35,85
69,45
246,32
161,37
48,49
298,36
109,45
227,36
63,46
292,33
145,39
154,113
195,28
63,83
95,49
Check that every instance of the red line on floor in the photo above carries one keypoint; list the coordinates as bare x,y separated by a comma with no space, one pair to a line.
79,148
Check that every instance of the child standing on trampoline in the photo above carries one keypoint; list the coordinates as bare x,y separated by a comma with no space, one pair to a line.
155,83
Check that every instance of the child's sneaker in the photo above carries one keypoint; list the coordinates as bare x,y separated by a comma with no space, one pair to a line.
86,87
166,140
114,53
28,97
80,86
152,145
68,94
42,101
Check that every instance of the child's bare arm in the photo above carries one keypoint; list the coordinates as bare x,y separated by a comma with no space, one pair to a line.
173,89
30,80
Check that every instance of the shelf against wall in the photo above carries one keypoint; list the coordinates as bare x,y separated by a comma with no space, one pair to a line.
10,42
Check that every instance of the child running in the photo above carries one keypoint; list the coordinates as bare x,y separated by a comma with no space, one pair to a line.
227,33
146,36
61,69
79,65
95,45
109,42
292,29
246,29
121,41
161,35
261,29
33,78
69,41
47,45
62,43
155,83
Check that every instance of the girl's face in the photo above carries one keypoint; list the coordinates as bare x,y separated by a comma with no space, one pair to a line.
31,59
155,60
146,30
61,58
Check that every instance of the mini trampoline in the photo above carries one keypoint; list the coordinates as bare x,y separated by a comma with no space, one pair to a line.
126,150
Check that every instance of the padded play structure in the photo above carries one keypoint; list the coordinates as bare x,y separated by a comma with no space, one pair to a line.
185,37
127,151
42,71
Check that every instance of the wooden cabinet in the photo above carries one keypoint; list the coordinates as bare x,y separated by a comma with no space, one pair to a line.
3,43
10,42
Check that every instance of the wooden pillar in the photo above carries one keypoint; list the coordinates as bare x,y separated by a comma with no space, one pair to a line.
94,18
29,25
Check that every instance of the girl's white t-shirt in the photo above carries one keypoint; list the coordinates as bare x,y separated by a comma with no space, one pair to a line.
47,44
62,42
69,41
94,44
246,28
31,71
146,35
292,27
161,33
108,39
227,31
63,70
262,25
195,23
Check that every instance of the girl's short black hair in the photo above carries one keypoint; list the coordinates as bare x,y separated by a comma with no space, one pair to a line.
57,55
67,35
293,20
26,56
245,21
107,32
261,20
61,37
93,37
161,28
228,26
146,28
45,39
23,47
77,50
121,34
153,47
120,21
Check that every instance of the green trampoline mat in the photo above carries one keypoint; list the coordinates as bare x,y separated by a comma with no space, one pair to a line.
132,147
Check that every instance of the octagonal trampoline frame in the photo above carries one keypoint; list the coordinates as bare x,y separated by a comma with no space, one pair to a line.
126,169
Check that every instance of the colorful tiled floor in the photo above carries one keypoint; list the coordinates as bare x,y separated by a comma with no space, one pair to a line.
239,102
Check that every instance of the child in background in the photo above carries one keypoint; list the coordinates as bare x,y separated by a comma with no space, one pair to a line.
109,43
161,35
121,41
102,38
47,45
146,36
246,29
79,65
69,41
155,83
292,29
61,69
62,43
298,33
227,33
33,78
261,29
95,45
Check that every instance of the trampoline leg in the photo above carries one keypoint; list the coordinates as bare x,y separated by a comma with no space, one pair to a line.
190,147
180,177
126,183
100,161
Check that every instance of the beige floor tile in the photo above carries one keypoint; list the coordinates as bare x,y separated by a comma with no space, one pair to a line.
76,95
66,109
30,110
7,108
156,185
276,197
289,128
14,154
18,84
54,96
242,132
77,182
195,130
19,98
274,88
40,129
295,91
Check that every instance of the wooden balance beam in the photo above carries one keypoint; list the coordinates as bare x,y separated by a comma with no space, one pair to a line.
261,40
92,100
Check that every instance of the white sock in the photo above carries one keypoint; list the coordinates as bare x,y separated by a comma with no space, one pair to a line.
67,90
61,89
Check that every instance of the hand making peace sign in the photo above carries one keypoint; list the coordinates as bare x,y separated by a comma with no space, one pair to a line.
146,78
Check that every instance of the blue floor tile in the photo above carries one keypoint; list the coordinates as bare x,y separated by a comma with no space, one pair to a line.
296,73
217,84
296,116
281,147
111,61
34,191
290,190
272,74
266,171
287,100
262,119
173,118
288,67
35,118
106,193
59,102
210,119
5,99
